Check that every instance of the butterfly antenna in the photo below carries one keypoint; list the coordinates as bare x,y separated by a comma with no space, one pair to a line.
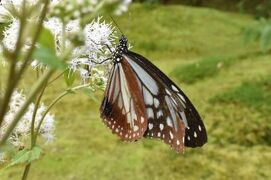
116,24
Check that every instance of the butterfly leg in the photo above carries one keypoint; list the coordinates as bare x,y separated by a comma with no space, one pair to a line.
108,47
101,61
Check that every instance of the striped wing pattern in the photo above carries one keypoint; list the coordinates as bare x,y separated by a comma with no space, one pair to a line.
141,101
123,108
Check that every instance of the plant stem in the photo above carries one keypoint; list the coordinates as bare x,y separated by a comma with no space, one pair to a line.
26,171
57,77
34,116
13,76
35,39
27,167
11,84
57,99
33,93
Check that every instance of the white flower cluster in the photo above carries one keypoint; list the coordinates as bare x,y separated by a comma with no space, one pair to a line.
23,128
99,38
11,35
99,41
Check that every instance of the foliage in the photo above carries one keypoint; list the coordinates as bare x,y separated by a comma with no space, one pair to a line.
205,68
261,32
85,149
65,39
25,156
256,95
259,8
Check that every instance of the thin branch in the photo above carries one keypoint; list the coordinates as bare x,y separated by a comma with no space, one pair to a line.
34,115
56,100
57,77
26,170
35,89
35,39
11,81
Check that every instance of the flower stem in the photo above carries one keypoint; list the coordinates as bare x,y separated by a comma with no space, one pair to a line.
35,39
27,167
13,76
57,99
33,93
13,58
57,77
26,171
34,116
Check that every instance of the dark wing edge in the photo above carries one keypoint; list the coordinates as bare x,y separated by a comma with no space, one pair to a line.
195,131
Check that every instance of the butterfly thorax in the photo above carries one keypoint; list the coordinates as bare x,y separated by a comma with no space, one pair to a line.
120,49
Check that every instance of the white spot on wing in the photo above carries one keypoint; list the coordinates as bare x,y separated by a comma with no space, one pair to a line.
171,135
150,113
161,126
174,88
169,122
182,98
136,128
156,103
199,128
159,114
195,134
142,119
150,125
147,97
167,91
184,118
178,142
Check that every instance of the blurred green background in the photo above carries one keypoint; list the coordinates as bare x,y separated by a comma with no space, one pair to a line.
228,80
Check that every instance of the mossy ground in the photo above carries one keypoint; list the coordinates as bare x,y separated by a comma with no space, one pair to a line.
230,86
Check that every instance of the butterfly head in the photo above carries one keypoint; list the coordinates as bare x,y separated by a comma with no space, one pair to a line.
121,48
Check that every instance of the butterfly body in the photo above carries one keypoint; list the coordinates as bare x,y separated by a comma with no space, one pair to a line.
141,101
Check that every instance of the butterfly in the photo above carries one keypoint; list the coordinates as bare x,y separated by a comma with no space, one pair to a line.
141,101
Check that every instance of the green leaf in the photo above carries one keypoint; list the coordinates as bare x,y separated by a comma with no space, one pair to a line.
35,153
47,56
265,40
47,40
26,156
69,78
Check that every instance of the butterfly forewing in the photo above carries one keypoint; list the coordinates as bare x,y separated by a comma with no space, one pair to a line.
123,109
180,120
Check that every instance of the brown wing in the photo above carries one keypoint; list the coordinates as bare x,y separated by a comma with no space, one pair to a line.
123,108
164,122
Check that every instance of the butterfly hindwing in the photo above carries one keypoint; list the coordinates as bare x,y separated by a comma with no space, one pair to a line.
123,107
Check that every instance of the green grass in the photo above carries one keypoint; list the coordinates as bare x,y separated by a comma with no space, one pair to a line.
256,95
207,67
172,36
